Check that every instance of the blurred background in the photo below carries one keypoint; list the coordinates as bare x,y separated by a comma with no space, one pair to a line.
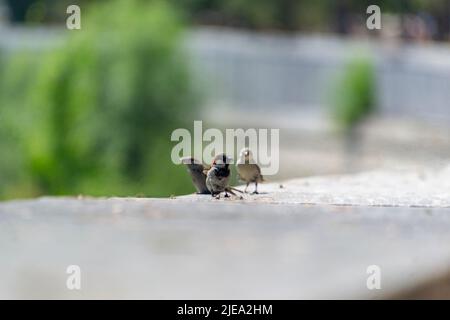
91,111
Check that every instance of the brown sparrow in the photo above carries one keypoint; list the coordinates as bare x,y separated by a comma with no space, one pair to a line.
198,174
248,170
218,177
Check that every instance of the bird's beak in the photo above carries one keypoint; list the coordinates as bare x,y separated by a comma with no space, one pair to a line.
228,160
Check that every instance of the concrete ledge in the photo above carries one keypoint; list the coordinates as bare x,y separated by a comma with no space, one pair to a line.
287,243
402,188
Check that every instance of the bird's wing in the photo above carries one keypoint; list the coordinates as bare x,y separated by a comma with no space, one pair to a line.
259,173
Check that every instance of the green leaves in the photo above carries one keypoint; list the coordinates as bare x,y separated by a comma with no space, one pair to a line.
96,113
354,96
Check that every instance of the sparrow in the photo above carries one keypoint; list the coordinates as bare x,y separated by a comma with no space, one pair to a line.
248,170
198,174
218,177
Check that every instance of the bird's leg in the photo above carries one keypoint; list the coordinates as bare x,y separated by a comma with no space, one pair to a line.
256,188
245,190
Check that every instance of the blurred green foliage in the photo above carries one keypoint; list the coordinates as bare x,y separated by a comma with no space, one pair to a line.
95,115
317,15
307,15
354,95
40,11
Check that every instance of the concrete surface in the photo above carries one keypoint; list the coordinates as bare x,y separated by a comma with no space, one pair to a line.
393,188
313,238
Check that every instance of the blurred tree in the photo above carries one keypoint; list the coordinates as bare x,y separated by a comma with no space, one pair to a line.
290,15
440,12
354,97
15,79
99,112
18,9
353,102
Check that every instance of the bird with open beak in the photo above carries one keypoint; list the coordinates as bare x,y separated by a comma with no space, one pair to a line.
248,170
218,177
198,174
